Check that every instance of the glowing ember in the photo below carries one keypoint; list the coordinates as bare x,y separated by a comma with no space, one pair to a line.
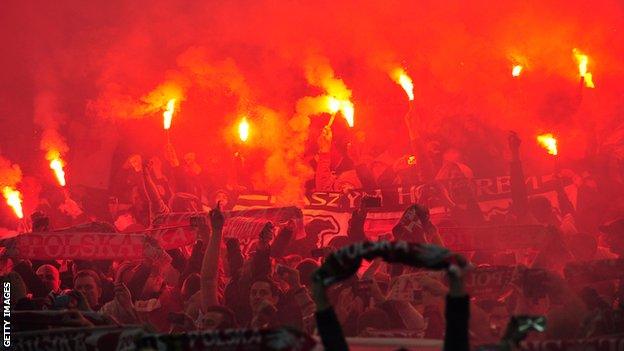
400,77
583,61
56,164
548,142
168,114
243,129
517,69
14,199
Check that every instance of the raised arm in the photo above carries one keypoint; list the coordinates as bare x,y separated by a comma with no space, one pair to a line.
210,265
519,195
157,206
323,175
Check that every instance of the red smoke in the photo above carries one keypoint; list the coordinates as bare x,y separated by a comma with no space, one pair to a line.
103,63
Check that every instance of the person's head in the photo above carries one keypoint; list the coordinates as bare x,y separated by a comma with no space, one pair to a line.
90,285
154,282
190,286
614,236
49,277
124,272
306,268
221,197
217,317
18,288
40,222
134,162
263,292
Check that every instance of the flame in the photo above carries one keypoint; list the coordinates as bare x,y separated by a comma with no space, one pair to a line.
583,61
517,69
344,106
168,114
14,199
549,142
333,104
57,164
347,109
400,77
243,129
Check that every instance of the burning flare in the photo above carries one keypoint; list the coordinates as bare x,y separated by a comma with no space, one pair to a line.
168,114
517,69
14,199
57,164
401,78
583,60
348,111
548,142
344,106
243,129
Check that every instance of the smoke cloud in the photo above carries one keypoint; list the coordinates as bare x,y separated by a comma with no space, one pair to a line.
119,62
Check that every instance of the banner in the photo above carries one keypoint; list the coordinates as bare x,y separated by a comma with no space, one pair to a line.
494,238
489,280
90,339
174,230
79,246
283,339
326,214
606,343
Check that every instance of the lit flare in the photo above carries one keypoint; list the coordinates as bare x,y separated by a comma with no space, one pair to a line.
243,129
14,200
548,142
583,61
168,114
516,70
56,165
401,78
345,107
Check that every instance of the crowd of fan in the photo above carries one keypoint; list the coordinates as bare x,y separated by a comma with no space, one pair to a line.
213,285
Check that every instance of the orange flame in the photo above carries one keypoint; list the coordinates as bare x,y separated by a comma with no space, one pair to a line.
516,70
344,106
348,111
57,164
548,142
168,114
401,78
243,129
14,199
583,61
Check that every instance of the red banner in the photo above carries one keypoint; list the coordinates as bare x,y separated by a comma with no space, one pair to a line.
93,339
83,246
489,280
174,229
494,238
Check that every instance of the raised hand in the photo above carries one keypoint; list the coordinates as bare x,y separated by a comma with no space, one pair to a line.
216,218
324,140
267,233
514,143
123,296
